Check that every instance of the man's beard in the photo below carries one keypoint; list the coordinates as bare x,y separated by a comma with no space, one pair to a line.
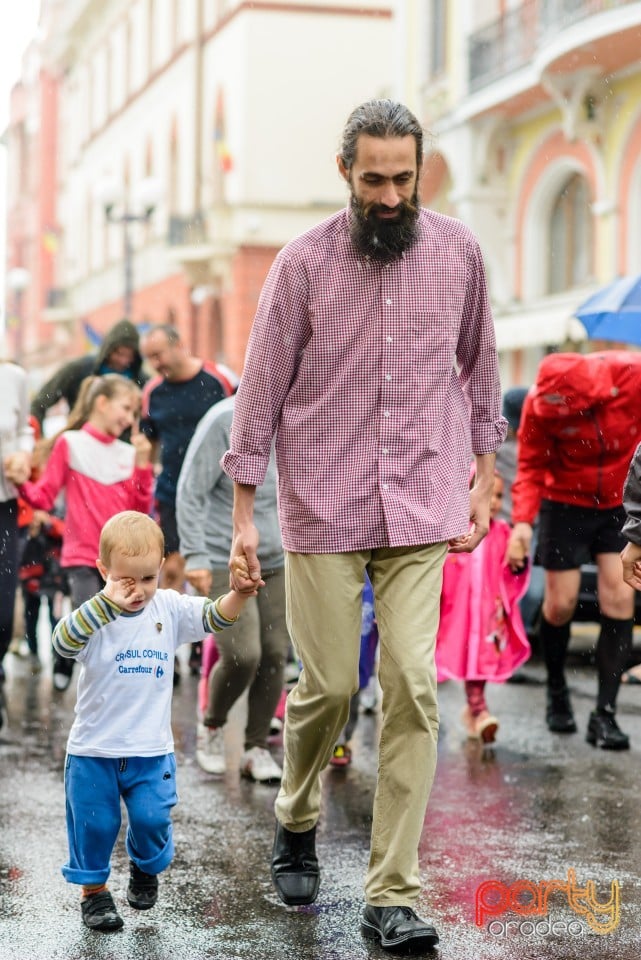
379,238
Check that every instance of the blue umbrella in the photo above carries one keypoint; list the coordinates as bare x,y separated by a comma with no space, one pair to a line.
614,313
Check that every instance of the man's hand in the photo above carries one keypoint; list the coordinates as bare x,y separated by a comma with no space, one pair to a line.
244,564
480,520
519,546
631,561
200,580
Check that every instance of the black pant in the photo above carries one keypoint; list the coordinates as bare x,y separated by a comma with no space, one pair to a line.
32,603
8,573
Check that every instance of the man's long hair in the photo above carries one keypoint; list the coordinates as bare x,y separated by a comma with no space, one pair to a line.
380,118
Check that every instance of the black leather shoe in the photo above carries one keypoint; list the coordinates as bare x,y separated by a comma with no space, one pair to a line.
398,929
99,912
142,891
295,871
604,732
559,716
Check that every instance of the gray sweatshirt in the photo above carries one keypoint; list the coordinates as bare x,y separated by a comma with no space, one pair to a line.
632,499
205,499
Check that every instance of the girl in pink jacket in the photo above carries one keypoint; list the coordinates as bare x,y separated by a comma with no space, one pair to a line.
481,635
100,475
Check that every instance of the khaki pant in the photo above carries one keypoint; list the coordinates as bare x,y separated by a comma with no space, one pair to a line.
324,620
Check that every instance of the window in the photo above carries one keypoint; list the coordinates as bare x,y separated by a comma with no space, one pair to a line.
570,248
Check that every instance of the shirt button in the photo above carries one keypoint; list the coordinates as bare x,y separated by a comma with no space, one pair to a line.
388,376
385,486
386,413
388,339
388,302
385,450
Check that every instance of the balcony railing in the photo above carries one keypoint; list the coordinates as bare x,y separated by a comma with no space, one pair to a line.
510,42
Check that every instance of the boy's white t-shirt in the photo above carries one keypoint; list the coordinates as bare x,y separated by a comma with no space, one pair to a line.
125,684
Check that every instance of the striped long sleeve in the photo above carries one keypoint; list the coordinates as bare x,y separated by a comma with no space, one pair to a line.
213,620
74,631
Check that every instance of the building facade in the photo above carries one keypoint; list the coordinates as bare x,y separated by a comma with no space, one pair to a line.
232,112
535,108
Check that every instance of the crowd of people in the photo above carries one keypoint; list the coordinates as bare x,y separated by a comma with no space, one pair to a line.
363,503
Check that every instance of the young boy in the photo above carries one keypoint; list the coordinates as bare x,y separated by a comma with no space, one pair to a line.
120,744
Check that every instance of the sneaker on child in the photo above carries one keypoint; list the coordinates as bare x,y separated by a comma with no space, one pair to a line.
99,912
142,892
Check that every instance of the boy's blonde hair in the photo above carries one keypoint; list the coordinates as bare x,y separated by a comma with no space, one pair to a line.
133,533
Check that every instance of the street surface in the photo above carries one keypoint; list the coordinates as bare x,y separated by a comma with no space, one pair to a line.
500,827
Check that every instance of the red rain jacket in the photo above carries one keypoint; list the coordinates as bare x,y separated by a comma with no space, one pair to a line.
580,426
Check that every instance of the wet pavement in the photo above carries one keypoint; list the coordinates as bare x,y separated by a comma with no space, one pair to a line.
501,826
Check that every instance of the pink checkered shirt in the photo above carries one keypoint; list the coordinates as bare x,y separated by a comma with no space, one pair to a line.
379,382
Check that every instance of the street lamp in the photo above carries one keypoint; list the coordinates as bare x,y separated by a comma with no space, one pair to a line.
18,279
146,196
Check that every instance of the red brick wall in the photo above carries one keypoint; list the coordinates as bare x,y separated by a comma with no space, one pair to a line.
249,269
164,302
213,329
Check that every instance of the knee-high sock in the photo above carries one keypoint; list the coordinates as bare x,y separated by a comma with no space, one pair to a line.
554,643
612,653
475,693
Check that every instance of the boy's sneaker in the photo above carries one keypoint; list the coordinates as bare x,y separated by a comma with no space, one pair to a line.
259,765
142,891
210,749
99,912
342,756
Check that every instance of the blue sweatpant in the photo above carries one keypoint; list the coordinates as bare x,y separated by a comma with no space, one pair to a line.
93,788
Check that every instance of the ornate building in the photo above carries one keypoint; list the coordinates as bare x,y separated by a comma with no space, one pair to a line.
536,111
194,138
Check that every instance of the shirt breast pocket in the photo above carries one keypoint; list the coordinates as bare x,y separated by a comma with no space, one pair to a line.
434,335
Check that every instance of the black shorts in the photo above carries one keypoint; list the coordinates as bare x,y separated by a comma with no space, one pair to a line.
570,536
169,526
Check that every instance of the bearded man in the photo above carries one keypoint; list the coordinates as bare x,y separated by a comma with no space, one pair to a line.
372,360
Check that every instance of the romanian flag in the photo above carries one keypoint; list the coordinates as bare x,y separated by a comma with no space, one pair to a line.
225,159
